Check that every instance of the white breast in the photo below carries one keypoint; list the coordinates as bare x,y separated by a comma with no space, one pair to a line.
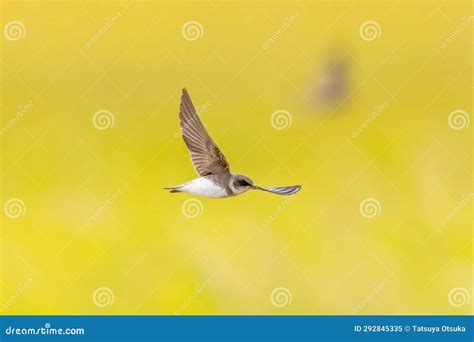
204,187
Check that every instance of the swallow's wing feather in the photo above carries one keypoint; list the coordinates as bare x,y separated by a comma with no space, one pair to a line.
205,155
282,190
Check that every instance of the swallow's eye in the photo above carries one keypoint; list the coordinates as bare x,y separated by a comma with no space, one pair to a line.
242,182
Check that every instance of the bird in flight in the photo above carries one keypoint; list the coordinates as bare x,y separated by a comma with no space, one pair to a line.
215,179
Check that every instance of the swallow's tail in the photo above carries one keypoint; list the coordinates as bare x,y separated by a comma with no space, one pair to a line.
281,190
173,189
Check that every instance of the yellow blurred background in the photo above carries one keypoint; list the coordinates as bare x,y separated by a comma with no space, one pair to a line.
366,104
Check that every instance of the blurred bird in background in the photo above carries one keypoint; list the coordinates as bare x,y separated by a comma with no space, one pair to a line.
332,85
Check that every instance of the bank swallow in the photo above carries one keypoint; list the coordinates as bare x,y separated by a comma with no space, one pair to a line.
216,180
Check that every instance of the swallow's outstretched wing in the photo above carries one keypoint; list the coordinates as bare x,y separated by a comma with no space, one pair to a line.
281,190
205,155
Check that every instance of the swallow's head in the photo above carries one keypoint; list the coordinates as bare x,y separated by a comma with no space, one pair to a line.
240,183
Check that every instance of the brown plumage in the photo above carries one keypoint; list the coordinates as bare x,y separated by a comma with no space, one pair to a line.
205,155
216,180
